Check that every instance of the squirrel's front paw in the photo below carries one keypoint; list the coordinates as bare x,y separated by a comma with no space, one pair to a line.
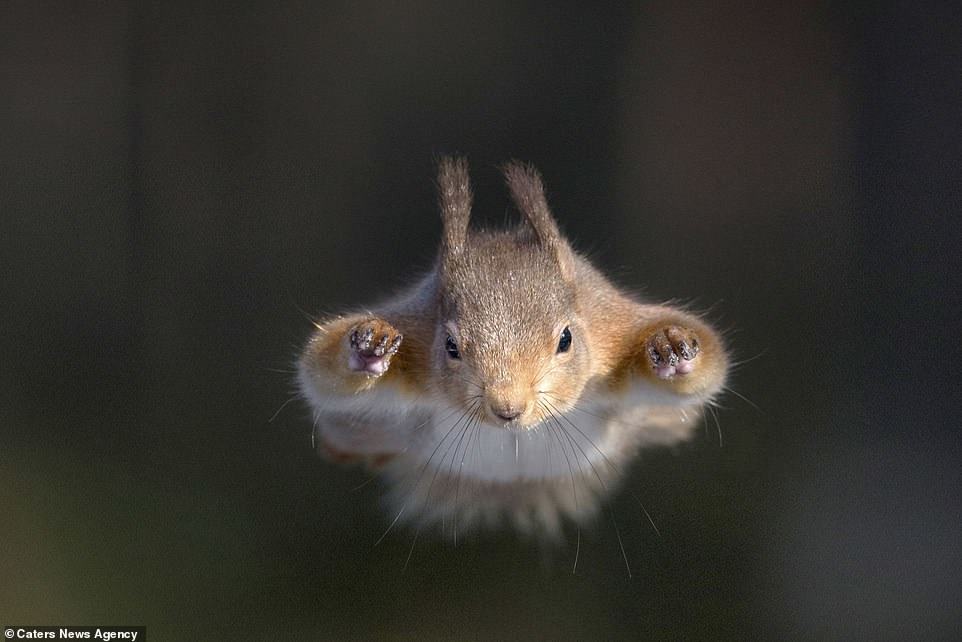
672,350
373,343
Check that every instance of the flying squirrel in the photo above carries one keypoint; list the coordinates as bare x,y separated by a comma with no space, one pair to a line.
513,383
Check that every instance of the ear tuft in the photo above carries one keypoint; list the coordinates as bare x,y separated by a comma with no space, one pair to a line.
454,200
527,192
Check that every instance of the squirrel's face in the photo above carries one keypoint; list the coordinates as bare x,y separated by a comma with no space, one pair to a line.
510,345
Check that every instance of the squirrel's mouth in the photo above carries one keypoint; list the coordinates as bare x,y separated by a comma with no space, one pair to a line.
520,422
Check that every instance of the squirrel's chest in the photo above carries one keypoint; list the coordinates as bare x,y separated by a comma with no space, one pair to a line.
566,445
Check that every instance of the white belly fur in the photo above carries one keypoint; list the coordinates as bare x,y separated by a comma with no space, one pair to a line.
491,453
447,470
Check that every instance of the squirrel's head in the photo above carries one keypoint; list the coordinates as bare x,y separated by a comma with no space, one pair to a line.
509,344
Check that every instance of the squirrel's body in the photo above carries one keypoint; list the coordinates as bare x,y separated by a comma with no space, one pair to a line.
513,381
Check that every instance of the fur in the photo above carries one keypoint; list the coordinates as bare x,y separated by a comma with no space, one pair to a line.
477,341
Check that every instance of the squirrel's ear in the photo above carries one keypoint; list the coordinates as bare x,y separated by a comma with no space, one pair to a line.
527,192
454,199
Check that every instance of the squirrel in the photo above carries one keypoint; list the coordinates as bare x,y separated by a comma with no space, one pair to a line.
513,383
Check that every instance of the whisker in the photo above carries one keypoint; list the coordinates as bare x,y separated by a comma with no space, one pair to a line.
283,405
544,374
618,471
547,456
734,365
434,478
364,483
427,499
577,408
479,418
470,382
611,512
421,474
574,569
574,492
391,525
411,551
424,423
743,398
457,495
608,460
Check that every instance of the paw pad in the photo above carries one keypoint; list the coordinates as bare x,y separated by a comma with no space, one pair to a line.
373,343
672,350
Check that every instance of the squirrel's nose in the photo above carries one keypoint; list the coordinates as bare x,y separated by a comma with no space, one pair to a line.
508,415
506,404
507,411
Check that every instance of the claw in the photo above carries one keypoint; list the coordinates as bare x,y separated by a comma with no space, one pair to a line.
395,344
672,350
373,344
365,341
663,346
653,354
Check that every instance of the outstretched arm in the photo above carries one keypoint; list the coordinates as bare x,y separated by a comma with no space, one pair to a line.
671,357
355,372
351,354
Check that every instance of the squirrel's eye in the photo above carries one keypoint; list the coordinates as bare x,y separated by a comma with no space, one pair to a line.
565,343
452,347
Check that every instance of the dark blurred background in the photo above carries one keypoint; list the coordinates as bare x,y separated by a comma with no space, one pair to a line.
181,183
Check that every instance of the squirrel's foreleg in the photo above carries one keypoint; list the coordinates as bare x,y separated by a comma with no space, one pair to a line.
351,354
673,355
